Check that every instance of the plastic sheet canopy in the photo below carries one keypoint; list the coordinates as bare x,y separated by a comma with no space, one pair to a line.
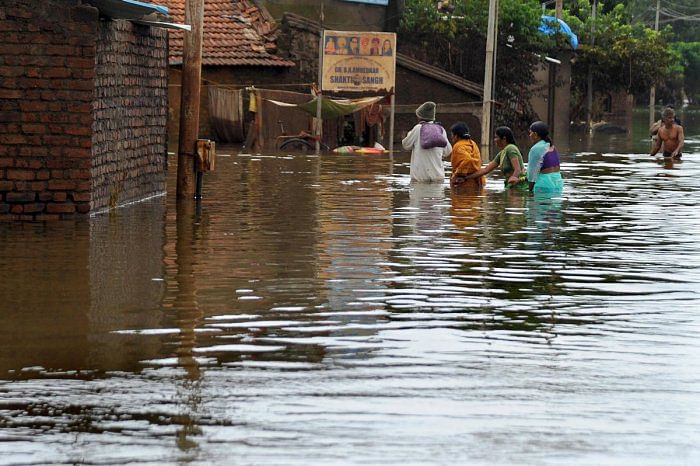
550,25
332,108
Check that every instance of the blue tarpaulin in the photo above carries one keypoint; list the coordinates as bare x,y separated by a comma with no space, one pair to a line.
548,26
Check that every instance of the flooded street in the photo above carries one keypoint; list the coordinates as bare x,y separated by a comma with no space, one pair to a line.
323,310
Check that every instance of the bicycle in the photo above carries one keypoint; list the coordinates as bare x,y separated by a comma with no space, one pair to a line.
302,142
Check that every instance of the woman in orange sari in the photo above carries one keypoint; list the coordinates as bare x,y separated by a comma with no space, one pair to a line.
465,158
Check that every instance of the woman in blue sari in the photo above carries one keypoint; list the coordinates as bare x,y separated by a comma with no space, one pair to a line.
543,172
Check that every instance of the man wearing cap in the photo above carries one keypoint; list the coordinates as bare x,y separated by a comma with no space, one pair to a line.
428,146
670,134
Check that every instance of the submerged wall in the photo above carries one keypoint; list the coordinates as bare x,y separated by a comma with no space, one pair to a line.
129,137
83,108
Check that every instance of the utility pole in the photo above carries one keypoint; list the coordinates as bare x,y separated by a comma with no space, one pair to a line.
189,98
589,84
319,95
489,78
652,92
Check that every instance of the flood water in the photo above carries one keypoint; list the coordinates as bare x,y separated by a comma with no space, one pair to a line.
323,310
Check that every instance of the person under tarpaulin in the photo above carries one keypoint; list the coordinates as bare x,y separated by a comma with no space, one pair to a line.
427,155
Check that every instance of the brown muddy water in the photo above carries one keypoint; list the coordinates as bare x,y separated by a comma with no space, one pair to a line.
323,310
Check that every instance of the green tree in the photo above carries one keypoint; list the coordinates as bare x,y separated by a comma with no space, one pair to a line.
681,15
689,57
454,39
624,56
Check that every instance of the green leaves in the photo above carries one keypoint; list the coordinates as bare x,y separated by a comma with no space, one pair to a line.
456,42
623,56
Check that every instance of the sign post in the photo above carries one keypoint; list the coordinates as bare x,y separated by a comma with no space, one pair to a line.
359,61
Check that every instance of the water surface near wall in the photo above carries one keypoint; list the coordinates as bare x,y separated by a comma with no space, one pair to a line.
323,310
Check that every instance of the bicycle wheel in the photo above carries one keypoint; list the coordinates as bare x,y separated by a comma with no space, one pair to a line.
298,145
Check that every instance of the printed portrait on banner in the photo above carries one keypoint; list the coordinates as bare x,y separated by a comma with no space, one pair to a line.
358,61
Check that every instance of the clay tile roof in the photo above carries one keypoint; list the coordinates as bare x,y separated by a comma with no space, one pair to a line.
236,32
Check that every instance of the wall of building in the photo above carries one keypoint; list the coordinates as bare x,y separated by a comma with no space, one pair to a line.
129,133
553,105
412,89
83,110
46,91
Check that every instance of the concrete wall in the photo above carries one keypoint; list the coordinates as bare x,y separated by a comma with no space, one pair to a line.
553,107
76,137
413,88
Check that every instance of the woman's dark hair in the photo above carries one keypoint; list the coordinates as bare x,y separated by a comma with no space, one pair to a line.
461,130
542,130
506,133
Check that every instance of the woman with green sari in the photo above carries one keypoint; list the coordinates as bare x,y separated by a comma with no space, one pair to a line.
509,160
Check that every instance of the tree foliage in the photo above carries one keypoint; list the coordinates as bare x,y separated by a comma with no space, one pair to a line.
456,40
623,55
689,57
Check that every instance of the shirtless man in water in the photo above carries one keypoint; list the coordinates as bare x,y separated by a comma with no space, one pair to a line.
670,135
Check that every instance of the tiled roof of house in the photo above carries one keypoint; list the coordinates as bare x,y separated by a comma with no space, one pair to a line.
236,32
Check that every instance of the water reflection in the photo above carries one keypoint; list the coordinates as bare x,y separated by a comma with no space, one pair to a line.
316,307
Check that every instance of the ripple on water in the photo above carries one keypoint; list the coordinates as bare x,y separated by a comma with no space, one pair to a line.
325,310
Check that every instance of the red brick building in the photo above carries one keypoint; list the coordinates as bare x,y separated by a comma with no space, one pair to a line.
83,107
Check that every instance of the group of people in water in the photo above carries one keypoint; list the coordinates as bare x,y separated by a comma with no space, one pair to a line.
541,175
429,144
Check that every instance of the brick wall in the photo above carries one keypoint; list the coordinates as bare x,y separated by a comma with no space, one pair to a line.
76,137
46,90
131,114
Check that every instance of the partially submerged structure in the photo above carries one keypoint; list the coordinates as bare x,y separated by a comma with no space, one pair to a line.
238,50
416,82
83,101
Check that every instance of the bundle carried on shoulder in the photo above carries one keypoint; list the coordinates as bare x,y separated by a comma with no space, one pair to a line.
432,134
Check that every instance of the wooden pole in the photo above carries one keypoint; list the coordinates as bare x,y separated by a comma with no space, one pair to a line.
391,122
589,84
652,91
489,77
558,7
189,100
319,96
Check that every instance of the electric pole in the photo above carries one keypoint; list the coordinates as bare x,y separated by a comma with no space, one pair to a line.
652,92
489,78
589,90
189,98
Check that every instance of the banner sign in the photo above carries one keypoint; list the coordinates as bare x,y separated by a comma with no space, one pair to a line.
358,61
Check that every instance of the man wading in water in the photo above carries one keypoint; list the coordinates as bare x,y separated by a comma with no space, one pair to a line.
670,135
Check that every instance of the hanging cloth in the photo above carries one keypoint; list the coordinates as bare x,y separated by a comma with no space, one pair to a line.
226,113
332,108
